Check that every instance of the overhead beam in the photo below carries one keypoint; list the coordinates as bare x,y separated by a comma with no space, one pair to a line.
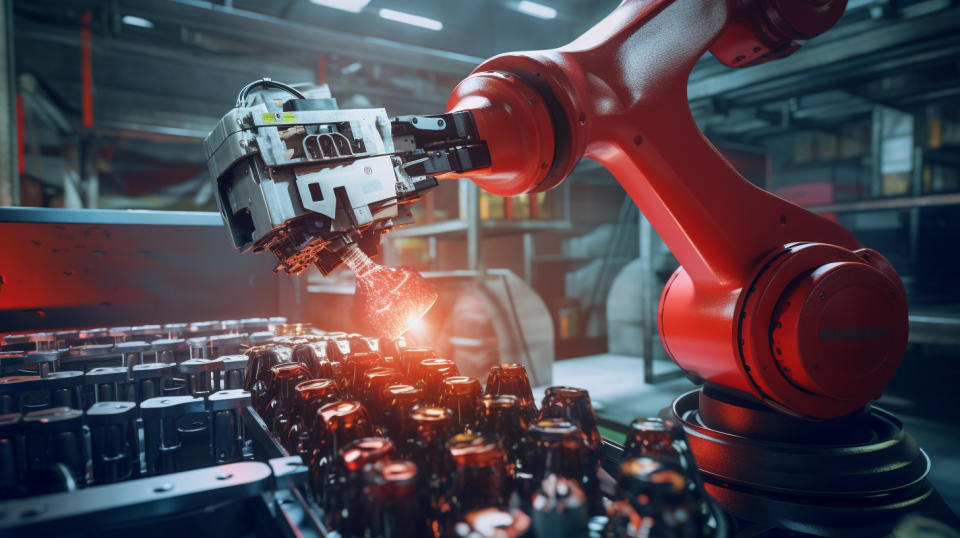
884,204
144,109
856,51
242,24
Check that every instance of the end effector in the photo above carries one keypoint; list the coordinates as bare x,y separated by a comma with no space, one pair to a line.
303,179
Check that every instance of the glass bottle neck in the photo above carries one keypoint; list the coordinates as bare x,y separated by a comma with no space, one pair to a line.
357,260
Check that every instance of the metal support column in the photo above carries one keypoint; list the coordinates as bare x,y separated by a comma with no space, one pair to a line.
876,151
650,287
529,251
916,190
646,297
9,171
432,253
473,225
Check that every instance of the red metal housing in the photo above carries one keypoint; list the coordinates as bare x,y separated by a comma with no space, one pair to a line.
771,300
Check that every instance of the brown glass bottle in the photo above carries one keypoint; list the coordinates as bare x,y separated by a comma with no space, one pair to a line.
309,396
338,346
664,441
359,453
410,357
372,385
479,478
650,437
559,447
511,378
361,344
357,366
461,395
397,402
431,428
284,378
335,424
314,356
572,404
341,374
660,493
502,419
429,376
389,349
317,393
344,509
391,506
344,421
256,379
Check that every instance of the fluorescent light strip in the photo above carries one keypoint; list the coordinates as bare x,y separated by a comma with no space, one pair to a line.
133,20
414,20
353,6
351,69
536,10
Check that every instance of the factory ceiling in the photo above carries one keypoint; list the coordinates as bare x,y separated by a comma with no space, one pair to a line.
165,70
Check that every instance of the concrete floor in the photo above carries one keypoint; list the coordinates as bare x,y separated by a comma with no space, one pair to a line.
921,395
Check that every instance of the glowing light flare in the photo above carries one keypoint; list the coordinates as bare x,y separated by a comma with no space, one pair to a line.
416,324
387,300
418,330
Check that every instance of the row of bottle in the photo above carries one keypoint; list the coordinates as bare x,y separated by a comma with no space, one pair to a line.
399,444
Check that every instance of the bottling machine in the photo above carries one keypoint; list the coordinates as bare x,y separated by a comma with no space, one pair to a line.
789,324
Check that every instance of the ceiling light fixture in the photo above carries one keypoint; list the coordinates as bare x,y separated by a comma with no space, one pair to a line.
408,18
353,6
351,68
536,10
133,20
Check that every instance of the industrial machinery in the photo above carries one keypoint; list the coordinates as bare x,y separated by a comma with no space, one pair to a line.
257,427
303,179
834,312
775,304
316,185
791,325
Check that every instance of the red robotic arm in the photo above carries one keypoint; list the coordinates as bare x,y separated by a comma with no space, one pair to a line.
770,300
